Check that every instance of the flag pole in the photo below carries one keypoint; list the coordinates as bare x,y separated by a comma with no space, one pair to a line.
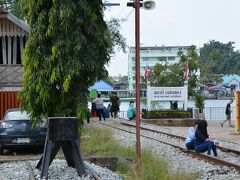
186,87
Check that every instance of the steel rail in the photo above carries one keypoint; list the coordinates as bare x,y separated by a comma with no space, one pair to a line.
224,149
210,159
30,171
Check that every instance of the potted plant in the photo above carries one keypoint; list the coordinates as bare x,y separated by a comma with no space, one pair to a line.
69,43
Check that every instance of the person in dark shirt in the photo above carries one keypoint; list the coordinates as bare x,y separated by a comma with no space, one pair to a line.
202,142
228,112
115,105
175,105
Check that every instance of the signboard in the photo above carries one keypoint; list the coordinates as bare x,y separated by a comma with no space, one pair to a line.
166,93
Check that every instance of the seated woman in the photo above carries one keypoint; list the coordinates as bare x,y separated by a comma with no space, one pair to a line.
191,136
131,112
202,142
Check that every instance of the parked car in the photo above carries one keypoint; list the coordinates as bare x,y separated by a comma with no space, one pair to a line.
16,131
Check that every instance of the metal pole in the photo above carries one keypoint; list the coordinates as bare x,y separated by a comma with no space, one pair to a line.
137,70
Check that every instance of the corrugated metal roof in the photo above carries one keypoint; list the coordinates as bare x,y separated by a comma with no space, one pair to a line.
229,78
5,14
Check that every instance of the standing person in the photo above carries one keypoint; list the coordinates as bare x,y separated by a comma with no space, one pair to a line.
228,112
131,112
202,142
191,136
93,109
99,107
115,105
110,109
175,105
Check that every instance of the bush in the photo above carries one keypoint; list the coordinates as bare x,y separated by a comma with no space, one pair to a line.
166,114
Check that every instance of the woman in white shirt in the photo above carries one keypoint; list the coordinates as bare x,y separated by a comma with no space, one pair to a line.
191,136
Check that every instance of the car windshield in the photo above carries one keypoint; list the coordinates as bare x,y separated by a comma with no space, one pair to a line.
16,115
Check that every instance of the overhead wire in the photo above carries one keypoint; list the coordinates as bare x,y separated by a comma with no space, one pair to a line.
125,19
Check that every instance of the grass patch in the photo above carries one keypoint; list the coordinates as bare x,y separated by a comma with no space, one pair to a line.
97,142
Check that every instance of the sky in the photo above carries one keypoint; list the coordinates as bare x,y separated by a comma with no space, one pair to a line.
176,22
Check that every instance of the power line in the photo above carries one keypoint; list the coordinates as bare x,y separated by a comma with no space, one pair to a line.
125,19
121,11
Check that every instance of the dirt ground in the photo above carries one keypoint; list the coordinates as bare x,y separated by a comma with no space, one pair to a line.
216,131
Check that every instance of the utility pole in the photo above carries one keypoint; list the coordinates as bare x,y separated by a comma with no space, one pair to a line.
137,6
148,5
138,120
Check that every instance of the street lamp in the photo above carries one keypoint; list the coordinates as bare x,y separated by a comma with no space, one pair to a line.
146,5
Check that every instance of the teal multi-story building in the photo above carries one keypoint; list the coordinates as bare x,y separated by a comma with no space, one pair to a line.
149,56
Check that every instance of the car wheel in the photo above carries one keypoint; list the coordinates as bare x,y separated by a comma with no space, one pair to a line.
1,149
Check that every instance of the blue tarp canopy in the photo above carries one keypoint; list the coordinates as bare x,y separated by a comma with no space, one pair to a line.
102,86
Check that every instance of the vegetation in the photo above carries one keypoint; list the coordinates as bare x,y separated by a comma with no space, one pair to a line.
206,70
69,43
163,70
65,53
100,142
228,60
167,114
199,101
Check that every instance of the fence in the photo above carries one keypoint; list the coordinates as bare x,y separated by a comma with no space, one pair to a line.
218,113
210,113
8,99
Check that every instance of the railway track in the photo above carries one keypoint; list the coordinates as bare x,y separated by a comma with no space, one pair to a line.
180,145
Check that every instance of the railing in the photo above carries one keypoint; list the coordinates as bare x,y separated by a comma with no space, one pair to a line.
210,113
218,113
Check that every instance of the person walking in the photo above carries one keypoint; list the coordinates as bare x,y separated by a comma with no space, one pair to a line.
202,141
131,112
228,112
99,107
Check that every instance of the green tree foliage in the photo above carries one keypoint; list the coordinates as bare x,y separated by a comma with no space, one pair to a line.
12,6
199,101
158,73
228,60
67,48
115,37
206,69
173,75
192,58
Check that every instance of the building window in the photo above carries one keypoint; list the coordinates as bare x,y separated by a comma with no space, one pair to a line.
146,59
171,58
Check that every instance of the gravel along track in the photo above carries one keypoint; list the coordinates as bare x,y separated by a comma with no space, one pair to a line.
58,170
226,156
177,160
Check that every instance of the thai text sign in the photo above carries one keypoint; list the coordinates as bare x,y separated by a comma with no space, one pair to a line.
166,93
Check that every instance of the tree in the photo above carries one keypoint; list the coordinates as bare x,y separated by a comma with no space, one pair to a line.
192,59
12,6
206,69
227,60
68,45
115,37
159,73
173,75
